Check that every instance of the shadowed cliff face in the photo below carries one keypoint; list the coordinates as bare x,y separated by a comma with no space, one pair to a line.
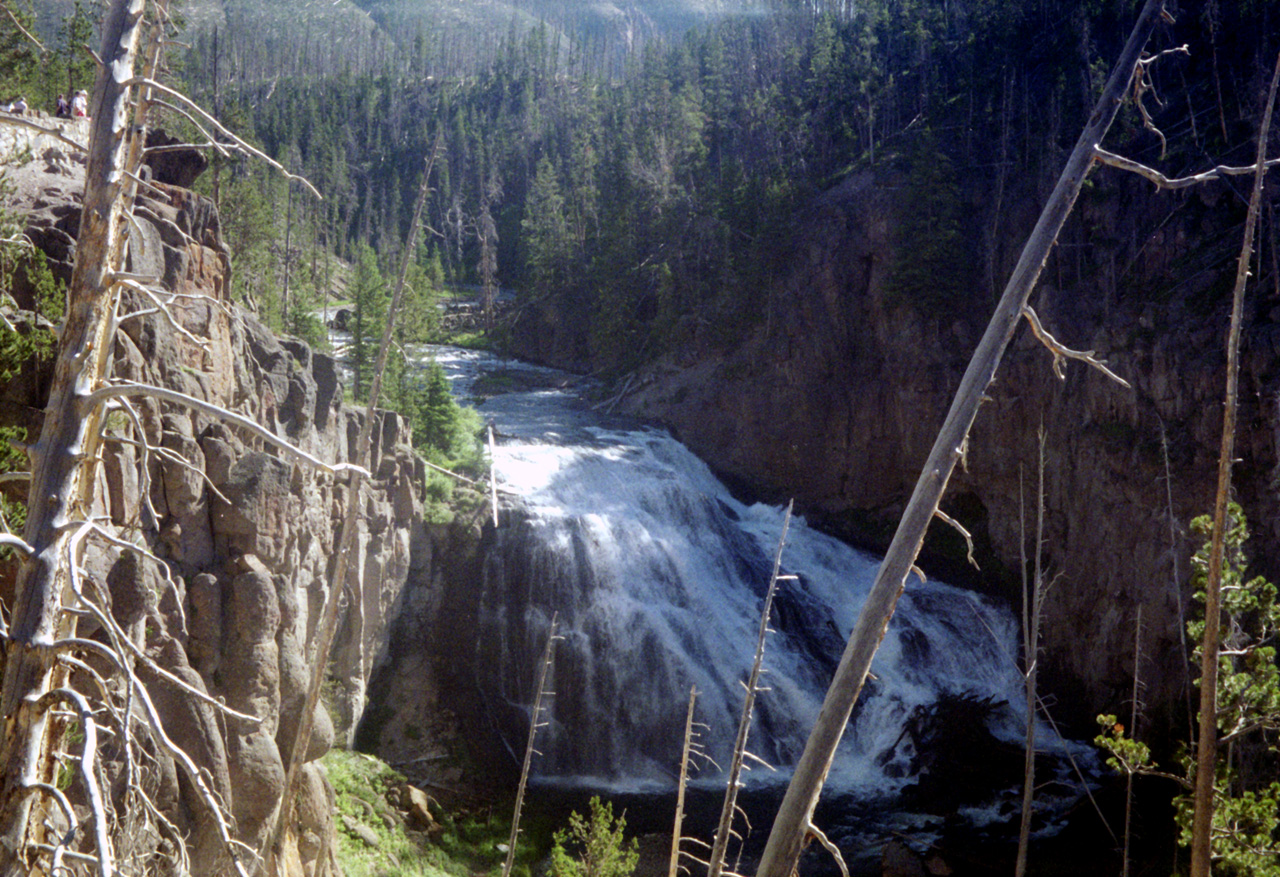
836,401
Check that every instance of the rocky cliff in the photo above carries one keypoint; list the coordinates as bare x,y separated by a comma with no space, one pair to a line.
241,539
837,397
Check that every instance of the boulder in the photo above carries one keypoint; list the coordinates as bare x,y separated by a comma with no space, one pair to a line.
175,167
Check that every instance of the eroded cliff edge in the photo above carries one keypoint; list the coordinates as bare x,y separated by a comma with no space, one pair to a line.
836,399
240,537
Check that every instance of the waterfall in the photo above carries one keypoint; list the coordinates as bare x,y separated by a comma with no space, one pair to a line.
657,575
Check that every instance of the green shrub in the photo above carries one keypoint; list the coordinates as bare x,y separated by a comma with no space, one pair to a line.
594,847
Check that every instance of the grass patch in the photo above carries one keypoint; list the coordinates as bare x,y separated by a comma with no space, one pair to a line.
367,793
476,340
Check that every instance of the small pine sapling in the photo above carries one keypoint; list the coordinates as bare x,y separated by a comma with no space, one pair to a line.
1246,812
595,846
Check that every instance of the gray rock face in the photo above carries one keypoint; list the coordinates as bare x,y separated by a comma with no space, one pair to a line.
246,535
836,401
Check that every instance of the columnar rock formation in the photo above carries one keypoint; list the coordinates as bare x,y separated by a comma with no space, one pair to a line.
245,535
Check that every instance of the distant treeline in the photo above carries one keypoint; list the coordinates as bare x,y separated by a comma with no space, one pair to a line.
664,197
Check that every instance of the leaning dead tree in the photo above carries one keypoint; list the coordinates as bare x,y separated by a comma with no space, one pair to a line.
68,699
1207,735
782,851
35,690
328,625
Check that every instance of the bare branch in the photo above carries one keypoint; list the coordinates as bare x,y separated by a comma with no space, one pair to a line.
176,147
1061,353
959,528
210,143
1142,84
11,541
18,24
88,777
169,296
433,467
176,458
20,122
179,755
256,153
1127,164
109,655
144,470
156,190
831,848
116,391
202,343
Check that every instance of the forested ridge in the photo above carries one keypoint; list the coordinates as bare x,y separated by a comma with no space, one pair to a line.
650,186
656,201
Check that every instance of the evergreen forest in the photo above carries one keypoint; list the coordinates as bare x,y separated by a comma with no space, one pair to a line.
655,197
652,190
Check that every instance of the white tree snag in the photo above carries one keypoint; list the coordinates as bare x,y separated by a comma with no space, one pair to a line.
673,866
782,850
535,722
720,844
64,459
329,614
1207,736
1133,731
1031,605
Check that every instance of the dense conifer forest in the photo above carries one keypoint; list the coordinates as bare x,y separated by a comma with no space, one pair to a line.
658,191
645,173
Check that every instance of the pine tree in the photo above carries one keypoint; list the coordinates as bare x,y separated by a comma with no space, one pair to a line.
74,35
546,232
369,303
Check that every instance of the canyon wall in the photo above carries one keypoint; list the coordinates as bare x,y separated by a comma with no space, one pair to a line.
240,537
835,400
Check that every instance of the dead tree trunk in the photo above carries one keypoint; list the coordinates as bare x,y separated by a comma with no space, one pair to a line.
796,811
673,867
1207,736
535,722
1031,647
64,464
346,543
724,830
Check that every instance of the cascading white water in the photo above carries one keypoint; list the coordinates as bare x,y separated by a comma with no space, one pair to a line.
657,575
